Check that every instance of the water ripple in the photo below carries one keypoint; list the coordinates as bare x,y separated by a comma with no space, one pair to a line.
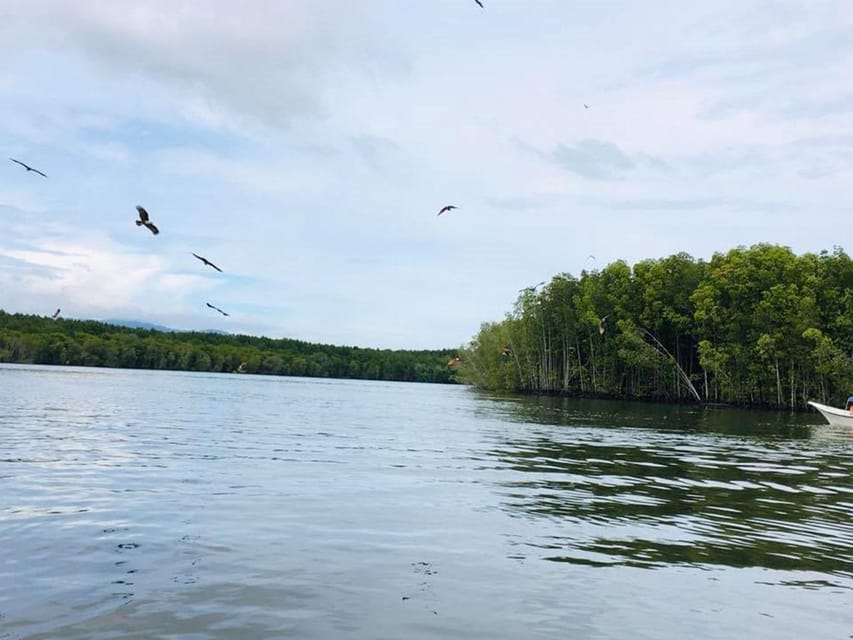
255,507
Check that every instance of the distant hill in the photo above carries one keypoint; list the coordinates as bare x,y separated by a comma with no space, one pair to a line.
138,324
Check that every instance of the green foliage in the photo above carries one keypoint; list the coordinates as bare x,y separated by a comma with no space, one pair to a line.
39,340
755,326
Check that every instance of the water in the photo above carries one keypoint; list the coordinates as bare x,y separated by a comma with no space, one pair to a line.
138,504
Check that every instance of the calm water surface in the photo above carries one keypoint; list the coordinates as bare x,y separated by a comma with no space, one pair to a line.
137,504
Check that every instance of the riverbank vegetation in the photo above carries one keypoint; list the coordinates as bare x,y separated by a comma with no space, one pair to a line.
40,340
757,326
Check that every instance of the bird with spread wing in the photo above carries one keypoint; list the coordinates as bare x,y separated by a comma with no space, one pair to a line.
531,289
207,262
145,220
28,167
217,309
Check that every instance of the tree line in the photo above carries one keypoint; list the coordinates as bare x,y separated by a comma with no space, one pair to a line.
39,340
756,326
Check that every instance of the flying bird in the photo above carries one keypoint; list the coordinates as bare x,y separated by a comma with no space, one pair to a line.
480,3
207,262
56,315
453,362
217,309
449,207
144,219
239,369
506,351
601,325
28,167
531,289
585,105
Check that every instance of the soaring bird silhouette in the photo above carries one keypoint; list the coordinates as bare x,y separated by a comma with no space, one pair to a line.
56,314
207,262
217,309
531,289
144,219
28,167
480,3
585,105
449,207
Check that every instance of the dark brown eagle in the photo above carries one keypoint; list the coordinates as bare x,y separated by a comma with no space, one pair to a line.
28,167
145,219
207,262
217,309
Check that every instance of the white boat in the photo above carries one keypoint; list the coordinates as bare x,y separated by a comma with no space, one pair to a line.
836,417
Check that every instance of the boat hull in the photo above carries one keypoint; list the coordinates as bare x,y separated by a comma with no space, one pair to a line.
836,417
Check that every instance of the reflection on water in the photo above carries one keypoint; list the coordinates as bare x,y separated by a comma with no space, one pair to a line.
651,486
141,504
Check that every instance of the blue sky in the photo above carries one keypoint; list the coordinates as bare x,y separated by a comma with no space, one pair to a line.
306,148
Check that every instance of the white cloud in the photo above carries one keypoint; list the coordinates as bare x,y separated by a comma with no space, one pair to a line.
87,273
596,159
261,59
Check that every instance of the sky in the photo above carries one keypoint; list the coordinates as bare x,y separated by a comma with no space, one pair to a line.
306,147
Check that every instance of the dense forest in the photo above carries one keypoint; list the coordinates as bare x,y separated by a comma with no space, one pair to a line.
39,340
757,326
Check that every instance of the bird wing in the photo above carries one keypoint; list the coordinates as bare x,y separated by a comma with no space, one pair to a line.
152,227
143,214
28,167
208,262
